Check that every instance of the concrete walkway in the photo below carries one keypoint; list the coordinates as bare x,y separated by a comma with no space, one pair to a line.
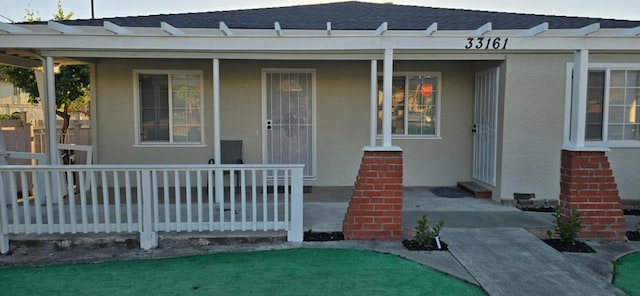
511,261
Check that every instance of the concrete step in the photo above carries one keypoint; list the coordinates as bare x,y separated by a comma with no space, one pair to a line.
475,188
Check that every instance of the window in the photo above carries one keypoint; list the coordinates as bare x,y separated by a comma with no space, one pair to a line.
415,105
169,107
613,105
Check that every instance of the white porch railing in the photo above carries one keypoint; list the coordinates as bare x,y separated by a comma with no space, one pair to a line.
148,199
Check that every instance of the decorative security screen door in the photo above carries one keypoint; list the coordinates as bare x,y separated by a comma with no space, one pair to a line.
485,126
288,112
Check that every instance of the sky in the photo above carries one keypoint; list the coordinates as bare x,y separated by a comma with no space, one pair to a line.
15,9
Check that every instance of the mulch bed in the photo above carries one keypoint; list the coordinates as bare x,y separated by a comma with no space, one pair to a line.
577,247
633,235
310,236
412,245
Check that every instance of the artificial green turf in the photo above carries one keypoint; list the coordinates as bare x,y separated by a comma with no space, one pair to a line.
283,272
627,271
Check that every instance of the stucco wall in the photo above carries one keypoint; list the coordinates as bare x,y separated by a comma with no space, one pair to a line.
533,133
533,121
342,108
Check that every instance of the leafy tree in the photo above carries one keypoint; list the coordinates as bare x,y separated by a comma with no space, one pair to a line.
72,82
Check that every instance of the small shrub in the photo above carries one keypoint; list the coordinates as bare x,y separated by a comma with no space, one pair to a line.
567,228
425,233
10,116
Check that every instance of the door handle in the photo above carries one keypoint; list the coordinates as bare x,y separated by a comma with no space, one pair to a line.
269,124
475,128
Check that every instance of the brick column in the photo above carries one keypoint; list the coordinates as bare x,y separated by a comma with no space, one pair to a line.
375,207
588,186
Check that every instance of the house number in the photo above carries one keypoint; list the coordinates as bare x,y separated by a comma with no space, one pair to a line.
486,43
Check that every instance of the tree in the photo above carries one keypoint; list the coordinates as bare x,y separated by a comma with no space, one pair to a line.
72,82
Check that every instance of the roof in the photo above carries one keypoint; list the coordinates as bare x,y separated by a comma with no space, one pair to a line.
356,15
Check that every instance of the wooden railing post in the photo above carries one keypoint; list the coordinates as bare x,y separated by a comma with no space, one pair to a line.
4,218
148,236
295,233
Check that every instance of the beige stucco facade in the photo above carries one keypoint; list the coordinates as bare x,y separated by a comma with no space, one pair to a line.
530,132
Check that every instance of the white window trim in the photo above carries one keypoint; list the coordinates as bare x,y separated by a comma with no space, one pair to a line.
136,109
437,136
607,67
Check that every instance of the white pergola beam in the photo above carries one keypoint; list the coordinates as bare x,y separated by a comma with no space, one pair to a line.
629,32
482,30
225,30
13,29
382,29
586,30
64,29
535,31
276,26
113,28
170,29
431,29
328,28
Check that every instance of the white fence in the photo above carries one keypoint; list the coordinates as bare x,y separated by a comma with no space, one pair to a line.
149,199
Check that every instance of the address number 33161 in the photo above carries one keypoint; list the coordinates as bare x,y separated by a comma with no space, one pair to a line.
487,43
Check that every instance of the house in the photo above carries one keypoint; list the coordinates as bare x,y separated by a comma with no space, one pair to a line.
515,102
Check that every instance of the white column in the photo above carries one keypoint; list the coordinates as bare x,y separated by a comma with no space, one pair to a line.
386,103
216,111
579,97
49,101
374,104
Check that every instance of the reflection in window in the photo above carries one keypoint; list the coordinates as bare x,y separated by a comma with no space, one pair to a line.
414,105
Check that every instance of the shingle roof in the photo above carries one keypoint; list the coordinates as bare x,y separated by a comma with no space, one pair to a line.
357,16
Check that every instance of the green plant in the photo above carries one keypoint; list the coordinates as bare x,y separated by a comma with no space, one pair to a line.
425,233
567,228
10,116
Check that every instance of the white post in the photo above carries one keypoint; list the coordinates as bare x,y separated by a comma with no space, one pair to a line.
50,112
148,237
4,216
386,102
579,97
216,111
295,233
373,132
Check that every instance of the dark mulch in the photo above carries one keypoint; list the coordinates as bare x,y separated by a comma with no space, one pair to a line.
632,212
538,209
412,245
577,247
452,192
310,236
633,235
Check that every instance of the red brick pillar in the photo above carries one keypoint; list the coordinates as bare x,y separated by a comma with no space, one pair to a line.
375,208
587,185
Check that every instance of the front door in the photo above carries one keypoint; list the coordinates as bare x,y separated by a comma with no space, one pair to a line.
289,118
485,126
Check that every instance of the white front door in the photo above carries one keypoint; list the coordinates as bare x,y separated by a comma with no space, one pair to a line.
485,126
289,118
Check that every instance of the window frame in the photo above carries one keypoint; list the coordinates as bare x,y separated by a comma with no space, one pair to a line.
406,135
607,68
137,109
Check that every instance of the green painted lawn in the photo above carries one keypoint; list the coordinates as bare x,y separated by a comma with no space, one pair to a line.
627,274
282,272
